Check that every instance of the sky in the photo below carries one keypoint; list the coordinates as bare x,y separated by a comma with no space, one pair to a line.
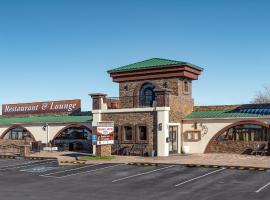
61,49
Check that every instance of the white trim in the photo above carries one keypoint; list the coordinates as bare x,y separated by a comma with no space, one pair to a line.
127,110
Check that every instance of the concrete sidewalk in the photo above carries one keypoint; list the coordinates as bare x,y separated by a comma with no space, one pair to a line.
198,159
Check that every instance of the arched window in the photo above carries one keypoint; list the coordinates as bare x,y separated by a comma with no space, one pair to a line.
74,133
245,132
147,95
18,133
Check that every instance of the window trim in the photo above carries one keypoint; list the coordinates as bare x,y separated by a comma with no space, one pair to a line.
187,83
185,134
119,133
138,140
123,134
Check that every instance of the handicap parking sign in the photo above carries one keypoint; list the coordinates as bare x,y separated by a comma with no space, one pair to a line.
94,138
38,169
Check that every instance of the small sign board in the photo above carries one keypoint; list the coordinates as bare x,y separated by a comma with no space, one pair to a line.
105,133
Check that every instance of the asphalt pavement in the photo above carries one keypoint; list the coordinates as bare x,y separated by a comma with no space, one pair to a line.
46,180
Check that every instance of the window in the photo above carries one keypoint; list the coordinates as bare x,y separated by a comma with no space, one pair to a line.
147,95
17,134
74,133
186,86
128,133
192,136
142,133
116,133
245,132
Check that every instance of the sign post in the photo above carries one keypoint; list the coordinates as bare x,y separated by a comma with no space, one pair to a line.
94,143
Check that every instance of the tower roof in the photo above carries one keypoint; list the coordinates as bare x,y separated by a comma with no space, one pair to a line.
155,68
152,63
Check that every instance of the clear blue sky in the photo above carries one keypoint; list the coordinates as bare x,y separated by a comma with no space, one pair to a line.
61,49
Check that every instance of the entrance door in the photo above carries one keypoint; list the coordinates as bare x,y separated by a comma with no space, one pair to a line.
173,138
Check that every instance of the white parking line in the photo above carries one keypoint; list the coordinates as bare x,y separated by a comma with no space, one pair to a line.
199,177
68,170
263,187
144,173
28,164
93,170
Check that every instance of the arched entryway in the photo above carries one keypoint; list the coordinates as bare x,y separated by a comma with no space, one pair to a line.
18,133
147,95
74,138
239,136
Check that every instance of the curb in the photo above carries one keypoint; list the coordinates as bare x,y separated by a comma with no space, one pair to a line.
230,167
143,164
73,162
8,157
35,158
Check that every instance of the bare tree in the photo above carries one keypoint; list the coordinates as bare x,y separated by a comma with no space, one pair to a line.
262,96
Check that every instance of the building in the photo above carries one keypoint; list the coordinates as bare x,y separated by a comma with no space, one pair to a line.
155,112
60,123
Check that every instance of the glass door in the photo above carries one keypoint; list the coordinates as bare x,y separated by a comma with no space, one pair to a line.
173,139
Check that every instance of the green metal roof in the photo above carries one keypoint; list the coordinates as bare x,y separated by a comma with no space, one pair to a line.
224,114
152,63
45,119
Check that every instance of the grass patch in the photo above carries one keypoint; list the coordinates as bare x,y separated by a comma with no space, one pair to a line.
85,158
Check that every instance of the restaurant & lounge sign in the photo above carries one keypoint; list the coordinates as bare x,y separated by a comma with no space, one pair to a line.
66,106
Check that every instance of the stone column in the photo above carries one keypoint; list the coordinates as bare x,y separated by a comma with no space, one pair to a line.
163,97
104,150
97,99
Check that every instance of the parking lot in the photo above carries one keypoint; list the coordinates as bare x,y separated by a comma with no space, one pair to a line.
44,179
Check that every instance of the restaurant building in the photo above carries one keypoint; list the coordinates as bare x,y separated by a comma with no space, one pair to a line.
155,112
56,123
153,115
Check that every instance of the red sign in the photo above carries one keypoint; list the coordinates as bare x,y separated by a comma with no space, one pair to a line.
105,132
66,106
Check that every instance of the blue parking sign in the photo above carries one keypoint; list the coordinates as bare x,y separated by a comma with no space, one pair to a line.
94,138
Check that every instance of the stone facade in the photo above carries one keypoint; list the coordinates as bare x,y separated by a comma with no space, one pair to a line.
180,107
134,119
129,91
231,146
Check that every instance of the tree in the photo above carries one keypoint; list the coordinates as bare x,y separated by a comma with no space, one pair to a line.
262,96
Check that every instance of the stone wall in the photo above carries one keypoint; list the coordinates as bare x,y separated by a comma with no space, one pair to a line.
15,142
129,91
180,107
230,146
133,119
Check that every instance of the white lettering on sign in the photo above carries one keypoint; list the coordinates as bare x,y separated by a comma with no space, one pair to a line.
42,107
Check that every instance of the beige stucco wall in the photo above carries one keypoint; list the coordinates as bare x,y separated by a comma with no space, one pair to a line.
40,134
214,126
